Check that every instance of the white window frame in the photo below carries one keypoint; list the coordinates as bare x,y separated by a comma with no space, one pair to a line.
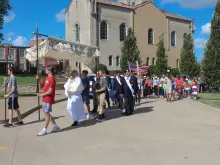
20,53
174,38
152,36
126,31
117,59
3,55
77,24
107,35
111,56
23,67
10,55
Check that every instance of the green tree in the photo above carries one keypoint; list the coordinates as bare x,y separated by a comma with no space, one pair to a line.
101,67
151,70
5,7
129,50
161,60
174,72
188,62
211,60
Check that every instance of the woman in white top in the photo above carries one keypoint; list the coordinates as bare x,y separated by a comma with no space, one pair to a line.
169,88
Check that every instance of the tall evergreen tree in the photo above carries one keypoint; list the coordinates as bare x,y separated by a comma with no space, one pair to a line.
161,60
129,50
188,62
5,7
211,61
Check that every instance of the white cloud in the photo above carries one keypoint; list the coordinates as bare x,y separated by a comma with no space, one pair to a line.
206,28
192,3
200,42
10,17
10,34
60,17
20,41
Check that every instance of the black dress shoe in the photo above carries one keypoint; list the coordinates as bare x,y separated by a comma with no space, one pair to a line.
75,123
93,111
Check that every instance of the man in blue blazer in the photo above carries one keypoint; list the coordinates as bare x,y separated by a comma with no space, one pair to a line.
130,87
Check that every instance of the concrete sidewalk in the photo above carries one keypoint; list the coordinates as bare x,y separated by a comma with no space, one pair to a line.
26,103
159,133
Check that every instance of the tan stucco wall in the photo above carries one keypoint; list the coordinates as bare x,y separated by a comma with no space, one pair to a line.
114,16
180,27
146,17
149,16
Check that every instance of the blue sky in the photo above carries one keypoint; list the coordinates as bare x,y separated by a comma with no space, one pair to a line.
49,14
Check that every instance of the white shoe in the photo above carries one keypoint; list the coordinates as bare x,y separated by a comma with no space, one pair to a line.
55,129
42,132
87,116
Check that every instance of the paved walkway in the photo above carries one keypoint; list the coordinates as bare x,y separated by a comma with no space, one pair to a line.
26,103
159,133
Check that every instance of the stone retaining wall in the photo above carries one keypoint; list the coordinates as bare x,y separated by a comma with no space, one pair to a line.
31,88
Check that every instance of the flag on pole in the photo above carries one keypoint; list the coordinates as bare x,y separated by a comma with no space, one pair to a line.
138,69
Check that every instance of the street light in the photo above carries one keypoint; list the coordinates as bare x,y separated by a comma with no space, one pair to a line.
6,70
37,36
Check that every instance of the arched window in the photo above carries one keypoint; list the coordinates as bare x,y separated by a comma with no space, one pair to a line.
153,61
173,38
150,36
117,60
148,61
77,30
122,32
110,60
177,63
104,30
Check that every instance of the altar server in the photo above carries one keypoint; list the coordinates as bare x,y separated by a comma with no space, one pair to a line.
73,90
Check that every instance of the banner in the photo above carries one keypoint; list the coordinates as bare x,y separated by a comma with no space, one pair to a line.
138,69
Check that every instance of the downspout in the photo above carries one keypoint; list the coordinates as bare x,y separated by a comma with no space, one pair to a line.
133,10
168,34
97,25
97,32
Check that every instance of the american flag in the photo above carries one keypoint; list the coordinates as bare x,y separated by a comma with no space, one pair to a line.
143,70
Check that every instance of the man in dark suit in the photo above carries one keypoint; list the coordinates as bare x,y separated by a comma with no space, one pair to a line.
130,86
119,90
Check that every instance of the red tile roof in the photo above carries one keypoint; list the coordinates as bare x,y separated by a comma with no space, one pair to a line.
176,16
142,4
109,2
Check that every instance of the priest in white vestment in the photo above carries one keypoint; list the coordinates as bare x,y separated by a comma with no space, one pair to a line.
73,89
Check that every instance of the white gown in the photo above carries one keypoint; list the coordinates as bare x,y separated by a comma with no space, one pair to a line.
75,106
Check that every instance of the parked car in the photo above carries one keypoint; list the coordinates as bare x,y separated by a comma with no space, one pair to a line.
91,80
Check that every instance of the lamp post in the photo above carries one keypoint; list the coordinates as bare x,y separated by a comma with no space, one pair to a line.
6,70
37,63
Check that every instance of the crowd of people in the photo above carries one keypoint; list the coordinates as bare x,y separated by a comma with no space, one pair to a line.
125,91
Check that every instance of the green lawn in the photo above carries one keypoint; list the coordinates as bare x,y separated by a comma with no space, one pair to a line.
21,94
22,80
212,99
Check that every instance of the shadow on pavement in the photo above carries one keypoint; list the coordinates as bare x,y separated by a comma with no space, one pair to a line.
148,102
85,123
42,120
110,114
116,113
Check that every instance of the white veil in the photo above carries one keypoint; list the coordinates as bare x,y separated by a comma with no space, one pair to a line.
73,85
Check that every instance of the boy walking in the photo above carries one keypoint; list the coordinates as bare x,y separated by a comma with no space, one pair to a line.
12,99
48,85
85,92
